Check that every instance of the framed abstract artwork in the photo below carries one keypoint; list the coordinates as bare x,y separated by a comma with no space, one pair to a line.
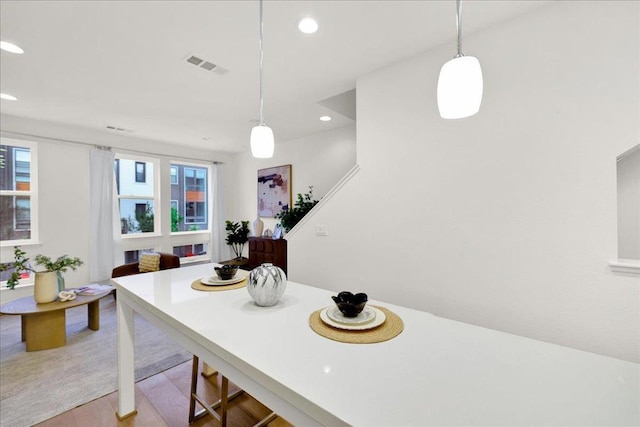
274,190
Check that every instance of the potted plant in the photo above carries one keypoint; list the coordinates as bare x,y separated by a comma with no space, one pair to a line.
50,278
237,236
290,217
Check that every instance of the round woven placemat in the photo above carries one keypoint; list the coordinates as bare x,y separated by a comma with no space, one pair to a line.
391,328
198,286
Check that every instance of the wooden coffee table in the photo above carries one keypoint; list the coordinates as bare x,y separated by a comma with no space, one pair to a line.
44,325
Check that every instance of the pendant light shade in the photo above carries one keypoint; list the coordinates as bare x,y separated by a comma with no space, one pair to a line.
262,142
460,83
460,88
261,136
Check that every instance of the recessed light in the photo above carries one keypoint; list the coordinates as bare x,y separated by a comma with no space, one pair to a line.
8,97
307,25
10,47
325,118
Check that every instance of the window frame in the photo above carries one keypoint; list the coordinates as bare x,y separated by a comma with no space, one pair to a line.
140,174
195,237
206,199
154,199
32,193
163,239
171,175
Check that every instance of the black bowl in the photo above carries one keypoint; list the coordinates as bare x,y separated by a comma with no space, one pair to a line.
226,272
350,304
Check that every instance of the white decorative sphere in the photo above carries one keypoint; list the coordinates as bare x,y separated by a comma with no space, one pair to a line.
266,284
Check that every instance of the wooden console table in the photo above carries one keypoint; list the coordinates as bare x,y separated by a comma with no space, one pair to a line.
44,325
266,249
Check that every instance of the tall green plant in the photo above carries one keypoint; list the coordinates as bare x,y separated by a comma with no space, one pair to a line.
237,236
290,217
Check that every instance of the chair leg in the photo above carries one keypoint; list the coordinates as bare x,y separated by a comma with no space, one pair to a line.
194,387
266,420
221,403
224,398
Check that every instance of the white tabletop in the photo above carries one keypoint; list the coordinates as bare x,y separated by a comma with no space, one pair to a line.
436,372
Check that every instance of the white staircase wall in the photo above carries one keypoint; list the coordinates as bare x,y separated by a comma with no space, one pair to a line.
506,219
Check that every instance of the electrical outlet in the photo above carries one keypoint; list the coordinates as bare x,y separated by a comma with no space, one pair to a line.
321,230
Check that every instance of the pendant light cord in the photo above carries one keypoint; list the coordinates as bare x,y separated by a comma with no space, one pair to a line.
458,26
261,59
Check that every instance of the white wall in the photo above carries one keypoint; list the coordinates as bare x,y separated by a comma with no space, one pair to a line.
506,219
64,188
319,160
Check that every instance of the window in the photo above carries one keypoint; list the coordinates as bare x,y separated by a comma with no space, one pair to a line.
141,209
174,175
18,192
137,199
187,251
6,275
195,186
141,172
184,226
191,196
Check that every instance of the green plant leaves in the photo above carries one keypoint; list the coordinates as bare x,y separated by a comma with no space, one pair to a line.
290,217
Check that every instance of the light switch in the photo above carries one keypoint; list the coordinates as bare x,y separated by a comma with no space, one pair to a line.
321,230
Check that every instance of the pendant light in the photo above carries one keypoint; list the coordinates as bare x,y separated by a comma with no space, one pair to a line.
261,135
460,81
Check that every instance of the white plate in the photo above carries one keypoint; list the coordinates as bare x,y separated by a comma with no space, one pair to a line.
365,316
379,320
214,281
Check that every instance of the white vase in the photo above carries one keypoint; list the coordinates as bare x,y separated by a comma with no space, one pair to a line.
258,226
266,284
45,288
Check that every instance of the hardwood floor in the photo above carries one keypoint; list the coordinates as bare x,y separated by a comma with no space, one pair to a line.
163,400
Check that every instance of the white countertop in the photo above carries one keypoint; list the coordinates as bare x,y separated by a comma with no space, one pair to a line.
436,372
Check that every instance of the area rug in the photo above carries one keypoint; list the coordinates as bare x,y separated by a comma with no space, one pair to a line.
36,386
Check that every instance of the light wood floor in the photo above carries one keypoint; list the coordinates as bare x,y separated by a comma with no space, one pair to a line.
163,400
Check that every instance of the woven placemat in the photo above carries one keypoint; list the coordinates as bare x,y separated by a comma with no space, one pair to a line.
391,328
198,286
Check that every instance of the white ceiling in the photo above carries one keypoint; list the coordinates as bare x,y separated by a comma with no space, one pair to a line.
123,63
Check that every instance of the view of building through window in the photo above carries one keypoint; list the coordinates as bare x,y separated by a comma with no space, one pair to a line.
138,184
136,193
189,195
184,251
17,192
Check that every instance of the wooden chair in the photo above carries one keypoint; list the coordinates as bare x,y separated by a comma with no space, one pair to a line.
167,261
221,403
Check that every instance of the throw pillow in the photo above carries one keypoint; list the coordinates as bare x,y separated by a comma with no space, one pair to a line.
149,262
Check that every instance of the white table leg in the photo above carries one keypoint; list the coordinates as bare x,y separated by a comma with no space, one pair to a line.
126,374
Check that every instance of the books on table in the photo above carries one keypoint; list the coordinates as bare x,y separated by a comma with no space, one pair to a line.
93,289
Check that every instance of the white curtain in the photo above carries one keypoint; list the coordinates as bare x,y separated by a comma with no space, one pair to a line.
105,250
220,251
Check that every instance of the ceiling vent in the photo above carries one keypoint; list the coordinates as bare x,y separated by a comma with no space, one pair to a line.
205,65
